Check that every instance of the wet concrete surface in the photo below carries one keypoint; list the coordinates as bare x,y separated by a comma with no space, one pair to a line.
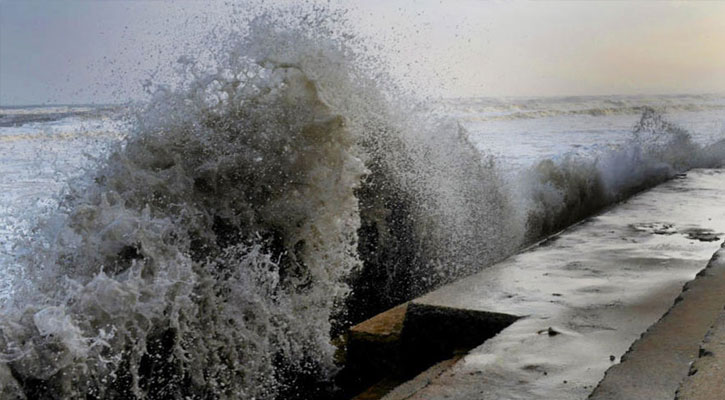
660,360
586,297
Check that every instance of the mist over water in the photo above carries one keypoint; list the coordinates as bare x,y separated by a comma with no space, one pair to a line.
278,192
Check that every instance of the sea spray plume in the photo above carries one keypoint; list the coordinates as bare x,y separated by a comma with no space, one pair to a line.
555,194
658,150
204,257
430,214
206,252
666,142
559,193
432,207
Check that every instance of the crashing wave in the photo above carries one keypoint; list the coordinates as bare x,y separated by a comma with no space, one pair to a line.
211,254
559,193
261,206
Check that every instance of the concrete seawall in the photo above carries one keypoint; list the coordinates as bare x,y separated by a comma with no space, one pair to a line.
549,322
661,359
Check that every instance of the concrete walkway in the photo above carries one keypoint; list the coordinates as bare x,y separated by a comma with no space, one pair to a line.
660,360
585,297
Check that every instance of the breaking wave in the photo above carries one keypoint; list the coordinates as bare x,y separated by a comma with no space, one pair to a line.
212,253
559,193
261,206
492,109
594,112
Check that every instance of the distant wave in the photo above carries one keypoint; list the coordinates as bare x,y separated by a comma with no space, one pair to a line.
18,137
594,112
19,116
495,109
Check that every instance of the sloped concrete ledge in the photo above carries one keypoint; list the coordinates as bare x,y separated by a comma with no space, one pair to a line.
394,346
660,360
434,333
706,378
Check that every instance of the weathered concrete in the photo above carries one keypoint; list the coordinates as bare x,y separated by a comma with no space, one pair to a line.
387,347
384,327
706,379
656,363
587,296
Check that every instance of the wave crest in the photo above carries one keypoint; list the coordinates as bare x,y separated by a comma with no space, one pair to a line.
213,252
559,193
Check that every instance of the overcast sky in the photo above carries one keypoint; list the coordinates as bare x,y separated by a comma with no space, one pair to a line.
86,51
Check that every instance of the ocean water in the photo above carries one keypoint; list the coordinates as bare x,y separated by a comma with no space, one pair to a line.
521,131
44,147
212,240
41,149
